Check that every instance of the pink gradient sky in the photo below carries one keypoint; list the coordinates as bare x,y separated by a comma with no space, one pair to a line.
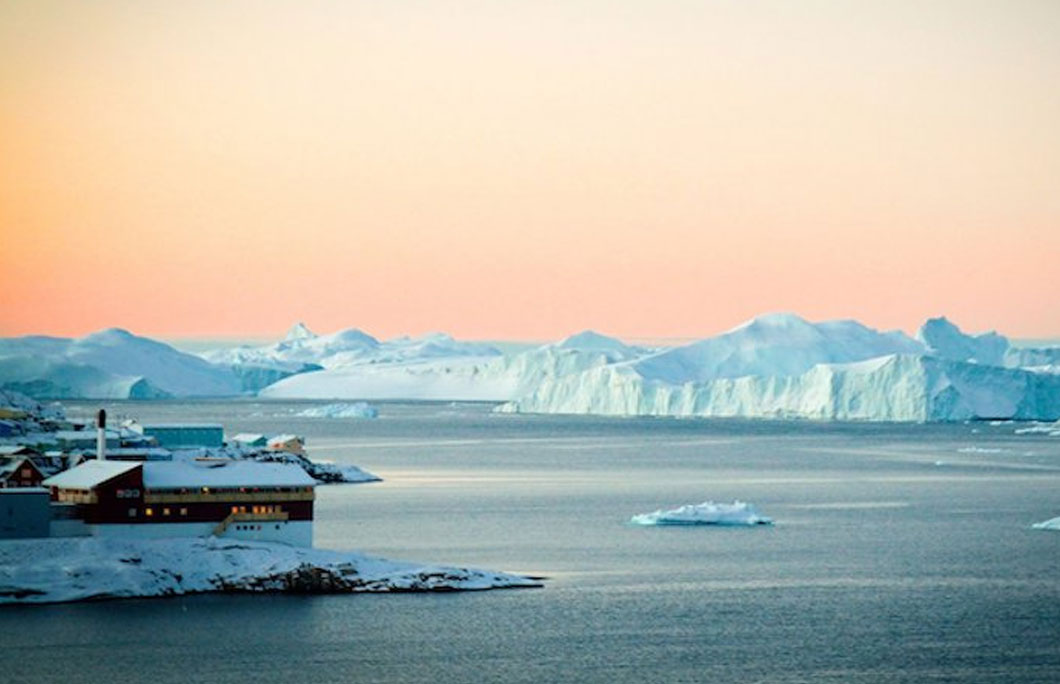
526,170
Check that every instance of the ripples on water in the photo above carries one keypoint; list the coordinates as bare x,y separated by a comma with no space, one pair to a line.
900,553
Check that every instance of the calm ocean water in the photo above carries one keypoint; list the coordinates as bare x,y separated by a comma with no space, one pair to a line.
900,553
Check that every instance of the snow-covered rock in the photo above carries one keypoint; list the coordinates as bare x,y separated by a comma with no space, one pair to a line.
1051,524
110,364
358,409
737,513
78,569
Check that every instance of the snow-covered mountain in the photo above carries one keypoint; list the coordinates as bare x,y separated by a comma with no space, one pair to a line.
783,366
110,364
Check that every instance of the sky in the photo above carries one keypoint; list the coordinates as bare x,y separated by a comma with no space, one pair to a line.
524,170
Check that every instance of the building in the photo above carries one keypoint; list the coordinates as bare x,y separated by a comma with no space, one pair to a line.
292,444
250,439
185,435
19,471
229,498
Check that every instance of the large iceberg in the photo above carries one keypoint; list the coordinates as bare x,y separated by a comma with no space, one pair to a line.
473,373
110,364
738,513
784,367
79,569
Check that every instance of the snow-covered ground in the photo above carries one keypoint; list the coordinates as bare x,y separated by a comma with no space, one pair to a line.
78,569
737,513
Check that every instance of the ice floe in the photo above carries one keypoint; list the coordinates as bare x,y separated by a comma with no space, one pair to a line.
1051,524
707,513
358,409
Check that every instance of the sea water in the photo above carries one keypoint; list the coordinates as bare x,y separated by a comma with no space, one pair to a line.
898,553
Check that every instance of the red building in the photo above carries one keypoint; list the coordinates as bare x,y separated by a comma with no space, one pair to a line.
244,499
20,472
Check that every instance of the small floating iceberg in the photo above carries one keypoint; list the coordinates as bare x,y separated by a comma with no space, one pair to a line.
341,410
738,513
1053,524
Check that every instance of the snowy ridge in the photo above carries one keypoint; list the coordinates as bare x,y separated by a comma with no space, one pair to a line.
79,569
738,513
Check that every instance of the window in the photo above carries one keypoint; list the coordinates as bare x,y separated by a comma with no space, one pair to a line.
132,512
235,509
149,512
27,473
184,511
165,511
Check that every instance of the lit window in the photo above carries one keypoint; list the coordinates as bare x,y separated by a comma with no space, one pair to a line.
149,512
165,511
184,511
235,509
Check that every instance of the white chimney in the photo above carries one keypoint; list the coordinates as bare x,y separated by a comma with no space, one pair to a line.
101,435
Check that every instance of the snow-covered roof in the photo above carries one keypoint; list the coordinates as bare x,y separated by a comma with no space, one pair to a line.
248,437
90,474
280,439
192,474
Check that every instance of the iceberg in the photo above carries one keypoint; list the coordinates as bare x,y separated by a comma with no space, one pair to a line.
61,570
474,374
781,366
1051,524
110,364
358,409
738,513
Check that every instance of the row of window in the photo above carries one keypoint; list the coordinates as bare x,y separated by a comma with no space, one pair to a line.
166,512
251,528
128,493
257,510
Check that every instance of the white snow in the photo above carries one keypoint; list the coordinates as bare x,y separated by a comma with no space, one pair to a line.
77,569
180,474
358,409
945,340
89,474
707,513
1051,524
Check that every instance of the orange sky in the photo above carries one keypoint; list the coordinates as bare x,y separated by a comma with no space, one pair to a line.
526,170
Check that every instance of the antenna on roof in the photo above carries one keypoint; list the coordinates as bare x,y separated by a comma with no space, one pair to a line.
101,435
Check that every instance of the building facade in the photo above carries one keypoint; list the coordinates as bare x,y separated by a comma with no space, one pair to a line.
242,499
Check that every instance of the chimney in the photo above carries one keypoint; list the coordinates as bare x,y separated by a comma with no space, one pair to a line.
101,435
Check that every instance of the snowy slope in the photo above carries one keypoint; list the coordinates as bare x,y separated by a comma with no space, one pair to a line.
61,570
110,364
